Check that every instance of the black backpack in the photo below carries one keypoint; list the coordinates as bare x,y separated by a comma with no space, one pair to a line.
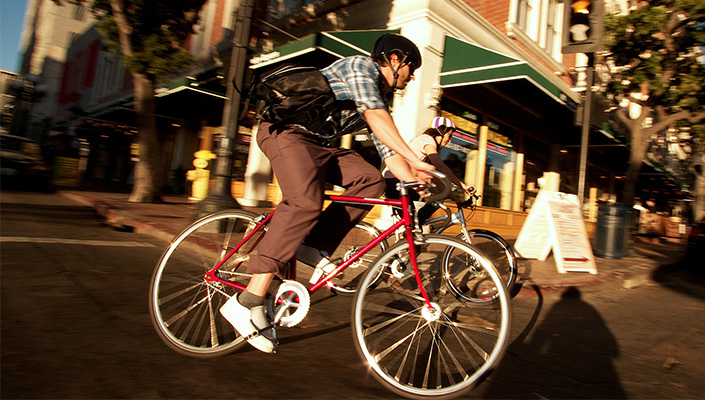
295,94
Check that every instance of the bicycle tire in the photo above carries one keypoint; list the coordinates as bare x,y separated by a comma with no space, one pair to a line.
497,250
363,233
418,353
183,306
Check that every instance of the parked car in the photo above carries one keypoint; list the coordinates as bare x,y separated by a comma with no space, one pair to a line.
22,165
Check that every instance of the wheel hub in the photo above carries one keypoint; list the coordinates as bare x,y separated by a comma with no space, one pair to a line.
432,313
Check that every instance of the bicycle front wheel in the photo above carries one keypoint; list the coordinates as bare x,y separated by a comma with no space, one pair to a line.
441,351
184,307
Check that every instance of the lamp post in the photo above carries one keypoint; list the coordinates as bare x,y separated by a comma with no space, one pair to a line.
220,197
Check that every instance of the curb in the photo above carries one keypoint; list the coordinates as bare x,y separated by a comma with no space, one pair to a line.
123,220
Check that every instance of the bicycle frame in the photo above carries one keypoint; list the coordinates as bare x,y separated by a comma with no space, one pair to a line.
451,218
406,221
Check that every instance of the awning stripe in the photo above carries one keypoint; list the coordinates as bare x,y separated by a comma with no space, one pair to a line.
473,69
188,87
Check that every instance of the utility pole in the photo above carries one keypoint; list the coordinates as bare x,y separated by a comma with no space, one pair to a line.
585,131
220,197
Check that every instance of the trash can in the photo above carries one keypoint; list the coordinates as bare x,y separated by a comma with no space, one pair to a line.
612,230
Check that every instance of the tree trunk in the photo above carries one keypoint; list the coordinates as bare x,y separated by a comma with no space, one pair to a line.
638,147
147,183
699,189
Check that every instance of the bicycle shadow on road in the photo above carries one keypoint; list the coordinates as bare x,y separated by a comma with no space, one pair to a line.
568,355
686,276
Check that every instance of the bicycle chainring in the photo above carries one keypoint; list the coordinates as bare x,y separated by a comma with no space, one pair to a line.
290,305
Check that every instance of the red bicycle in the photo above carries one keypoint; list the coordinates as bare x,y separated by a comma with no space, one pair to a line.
416,318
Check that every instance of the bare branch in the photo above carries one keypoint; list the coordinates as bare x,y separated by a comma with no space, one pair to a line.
694,118
124,28
668,33
667,120
624,117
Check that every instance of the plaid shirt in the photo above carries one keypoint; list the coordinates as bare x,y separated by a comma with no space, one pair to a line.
357,79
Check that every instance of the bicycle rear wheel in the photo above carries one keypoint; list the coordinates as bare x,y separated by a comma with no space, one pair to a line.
417,351
183,306
347,280
498,251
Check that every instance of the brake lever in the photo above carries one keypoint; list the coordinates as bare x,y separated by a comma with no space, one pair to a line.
469,203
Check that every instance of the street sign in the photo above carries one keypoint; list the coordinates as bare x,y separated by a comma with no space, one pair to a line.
555,223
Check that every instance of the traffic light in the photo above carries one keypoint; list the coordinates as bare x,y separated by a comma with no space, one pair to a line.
583,26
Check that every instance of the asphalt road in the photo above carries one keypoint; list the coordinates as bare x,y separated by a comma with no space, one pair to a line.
75,324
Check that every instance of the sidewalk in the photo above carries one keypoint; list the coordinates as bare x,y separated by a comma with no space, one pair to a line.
166,220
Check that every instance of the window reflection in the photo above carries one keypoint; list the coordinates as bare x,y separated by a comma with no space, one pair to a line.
462,155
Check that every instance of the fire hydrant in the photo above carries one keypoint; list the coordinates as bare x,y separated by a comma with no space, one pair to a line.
201,175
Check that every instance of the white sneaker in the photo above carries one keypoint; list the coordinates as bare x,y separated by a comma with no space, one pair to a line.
317,259
251,324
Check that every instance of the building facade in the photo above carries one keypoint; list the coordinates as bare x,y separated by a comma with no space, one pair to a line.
494,68
48,31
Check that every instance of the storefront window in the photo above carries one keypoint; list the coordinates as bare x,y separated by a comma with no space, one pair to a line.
463,152
500,167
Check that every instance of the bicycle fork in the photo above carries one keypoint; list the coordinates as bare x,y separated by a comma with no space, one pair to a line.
410,239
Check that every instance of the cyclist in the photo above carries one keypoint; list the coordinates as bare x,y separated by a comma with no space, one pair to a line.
303,162
426,146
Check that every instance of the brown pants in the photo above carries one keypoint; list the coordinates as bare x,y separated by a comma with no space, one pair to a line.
302,167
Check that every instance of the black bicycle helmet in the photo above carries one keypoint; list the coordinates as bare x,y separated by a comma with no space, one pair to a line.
393,43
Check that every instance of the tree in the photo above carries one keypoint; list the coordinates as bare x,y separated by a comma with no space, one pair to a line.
148,34
655,57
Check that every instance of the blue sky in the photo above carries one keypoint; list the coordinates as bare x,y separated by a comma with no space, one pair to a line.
11,16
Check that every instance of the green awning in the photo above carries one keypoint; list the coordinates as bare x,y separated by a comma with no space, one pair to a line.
187,84
339,44
467,64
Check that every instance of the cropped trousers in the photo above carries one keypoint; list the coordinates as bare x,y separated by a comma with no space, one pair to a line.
302,165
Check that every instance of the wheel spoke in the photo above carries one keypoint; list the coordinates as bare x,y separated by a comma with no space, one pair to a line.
211,316
178,294
183,313
398,343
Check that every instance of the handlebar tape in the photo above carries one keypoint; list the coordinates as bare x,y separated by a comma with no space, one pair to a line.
446,188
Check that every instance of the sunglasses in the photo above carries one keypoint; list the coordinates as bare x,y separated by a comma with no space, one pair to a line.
412,68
